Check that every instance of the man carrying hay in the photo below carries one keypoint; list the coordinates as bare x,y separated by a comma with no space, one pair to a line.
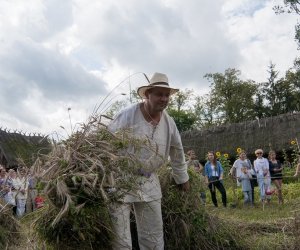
149,120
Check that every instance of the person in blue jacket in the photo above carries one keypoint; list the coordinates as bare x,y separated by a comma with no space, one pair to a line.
213,177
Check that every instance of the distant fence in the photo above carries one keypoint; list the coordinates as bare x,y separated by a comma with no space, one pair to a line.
268,133
17,144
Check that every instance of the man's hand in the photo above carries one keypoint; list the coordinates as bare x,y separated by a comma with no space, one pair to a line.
185,186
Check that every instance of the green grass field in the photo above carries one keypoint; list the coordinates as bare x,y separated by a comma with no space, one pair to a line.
268,226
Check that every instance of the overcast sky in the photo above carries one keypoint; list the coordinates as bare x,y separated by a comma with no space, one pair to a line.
56,55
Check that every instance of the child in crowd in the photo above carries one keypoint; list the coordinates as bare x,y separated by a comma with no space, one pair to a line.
244,178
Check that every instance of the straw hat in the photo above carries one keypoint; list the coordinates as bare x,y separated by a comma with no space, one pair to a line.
158,80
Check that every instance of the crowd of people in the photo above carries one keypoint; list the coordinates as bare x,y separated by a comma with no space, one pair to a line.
18,190
262,173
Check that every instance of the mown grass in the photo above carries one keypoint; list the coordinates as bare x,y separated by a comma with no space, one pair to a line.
269,226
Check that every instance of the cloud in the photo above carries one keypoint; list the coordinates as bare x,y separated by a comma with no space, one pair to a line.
56,75
38,83
261,36
184,40
56,55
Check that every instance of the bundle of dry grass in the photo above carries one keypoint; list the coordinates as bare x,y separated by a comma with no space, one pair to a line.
9,227
187,224
82,176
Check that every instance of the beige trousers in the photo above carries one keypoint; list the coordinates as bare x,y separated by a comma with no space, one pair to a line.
149,225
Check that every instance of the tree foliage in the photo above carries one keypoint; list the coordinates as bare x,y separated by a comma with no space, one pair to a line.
281,94
232,96
181,110
259,108
206,111
181,100
290,6
184,120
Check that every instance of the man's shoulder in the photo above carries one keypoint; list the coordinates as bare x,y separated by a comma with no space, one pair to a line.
128,110
123,119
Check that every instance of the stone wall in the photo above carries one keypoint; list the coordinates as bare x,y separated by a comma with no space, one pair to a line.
268,133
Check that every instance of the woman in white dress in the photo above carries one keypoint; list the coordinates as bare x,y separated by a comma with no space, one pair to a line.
261,166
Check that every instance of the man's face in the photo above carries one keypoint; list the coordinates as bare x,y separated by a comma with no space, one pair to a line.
158,98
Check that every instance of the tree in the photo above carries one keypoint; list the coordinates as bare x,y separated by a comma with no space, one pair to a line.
259,108
271,92
184,119
291,82
206,112
292,76
181,100
279,93
181,110
233,98
290,6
